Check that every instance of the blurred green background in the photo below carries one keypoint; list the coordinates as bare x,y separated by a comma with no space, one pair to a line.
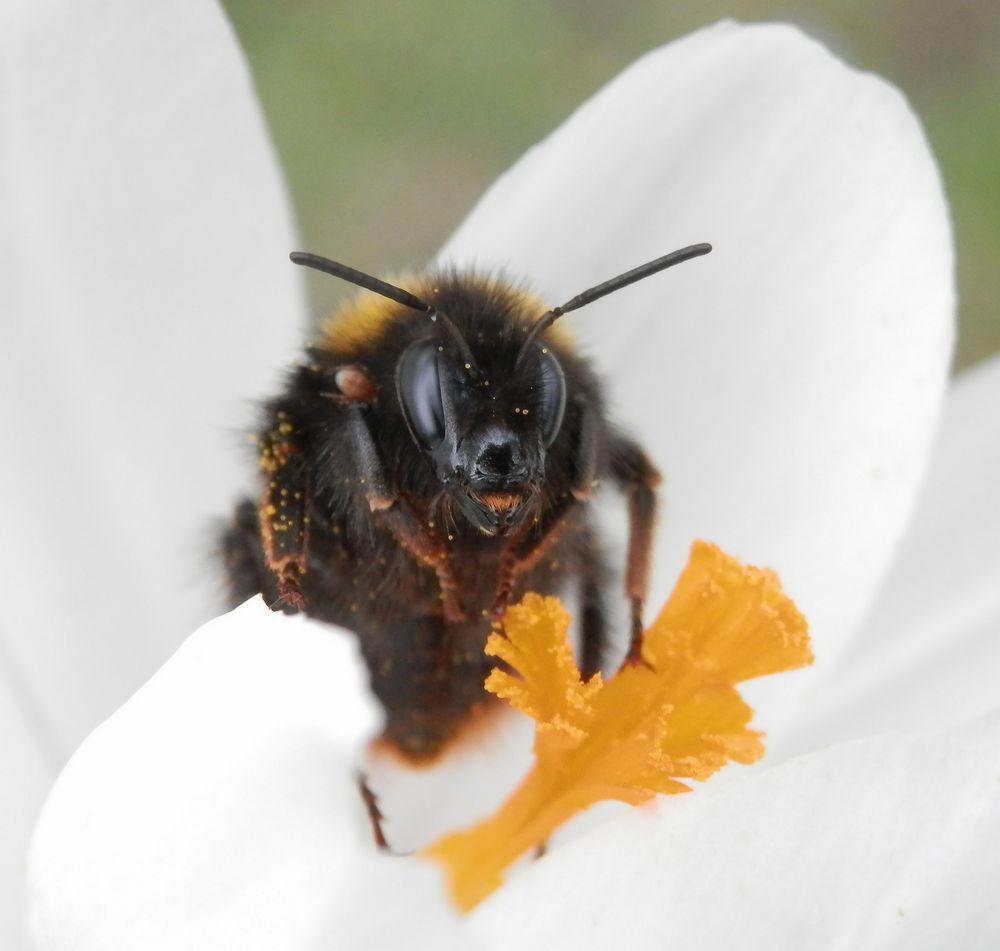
392,118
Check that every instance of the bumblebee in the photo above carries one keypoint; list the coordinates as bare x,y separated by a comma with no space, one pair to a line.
428,462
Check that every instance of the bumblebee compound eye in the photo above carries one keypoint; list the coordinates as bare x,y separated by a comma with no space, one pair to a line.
551,396
418,383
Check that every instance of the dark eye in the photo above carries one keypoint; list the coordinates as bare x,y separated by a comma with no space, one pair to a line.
418,383
552,398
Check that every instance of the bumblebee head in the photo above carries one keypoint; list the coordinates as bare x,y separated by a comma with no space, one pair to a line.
485,426
485,413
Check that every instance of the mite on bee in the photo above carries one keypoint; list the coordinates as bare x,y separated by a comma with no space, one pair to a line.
429,462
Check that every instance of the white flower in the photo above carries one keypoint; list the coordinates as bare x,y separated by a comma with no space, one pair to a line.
789,385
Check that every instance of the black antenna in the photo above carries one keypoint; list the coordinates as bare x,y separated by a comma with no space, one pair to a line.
609,287
367,281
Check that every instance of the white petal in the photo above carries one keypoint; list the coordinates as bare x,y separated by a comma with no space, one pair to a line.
787,384
880,844
28,767
147,297
929,655
216,808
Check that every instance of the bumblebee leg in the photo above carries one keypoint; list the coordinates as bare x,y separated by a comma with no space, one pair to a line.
426,547
284,529
593,621
524,551
409,529
592,573
637,477
247,572
283,510
375,816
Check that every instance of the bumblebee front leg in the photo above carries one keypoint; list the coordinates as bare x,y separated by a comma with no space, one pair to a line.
283,512
426,547
637,478
592,571
525,550
400,517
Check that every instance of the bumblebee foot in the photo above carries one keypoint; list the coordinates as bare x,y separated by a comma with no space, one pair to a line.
634,655
289,596
500,605
375,816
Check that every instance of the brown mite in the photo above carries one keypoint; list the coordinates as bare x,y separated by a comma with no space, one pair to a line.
429,462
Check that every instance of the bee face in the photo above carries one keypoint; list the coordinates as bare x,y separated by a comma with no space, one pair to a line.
484,428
